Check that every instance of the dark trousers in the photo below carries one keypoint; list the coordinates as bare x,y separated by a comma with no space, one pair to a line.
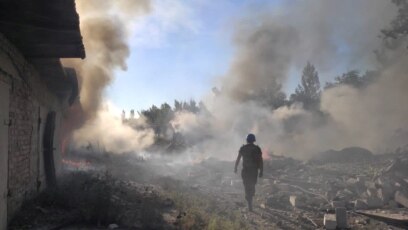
249,177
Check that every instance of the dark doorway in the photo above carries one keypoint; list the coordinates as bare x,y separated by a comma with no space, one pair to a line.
48,146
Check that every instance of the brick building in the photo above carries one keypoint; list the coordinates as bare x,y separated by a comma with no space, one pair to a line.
35,91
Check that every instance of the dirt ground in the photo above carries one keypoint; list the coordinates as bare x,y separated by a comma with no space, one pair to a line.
128,192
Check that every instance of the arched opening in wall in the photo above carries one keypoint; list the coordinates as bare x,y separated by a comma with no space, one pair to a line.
48,146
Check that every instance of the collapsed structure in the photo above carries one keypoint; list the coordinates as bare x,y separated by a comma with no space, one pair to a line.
35,91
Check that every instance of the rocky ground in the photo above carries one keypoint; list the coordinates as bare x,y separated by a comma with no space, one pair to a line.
126,192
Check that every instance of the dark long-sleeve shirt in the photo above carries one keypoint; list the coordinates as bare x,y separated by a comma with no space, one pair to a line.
251,156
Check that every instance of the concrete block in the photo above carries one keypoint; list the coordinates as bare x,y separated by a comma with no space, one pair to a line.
292,200
297,201
401,199
341,218
329,221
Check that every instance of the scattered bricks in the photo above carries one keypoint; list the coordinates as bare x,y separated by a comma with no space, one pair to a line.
341,218
329,221
401,199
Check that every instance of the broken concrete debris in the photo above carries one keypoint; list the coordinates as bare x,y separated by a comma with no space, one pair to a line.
401,199
329,221
337,220
297,201
336,190
394,217
293,194
341,218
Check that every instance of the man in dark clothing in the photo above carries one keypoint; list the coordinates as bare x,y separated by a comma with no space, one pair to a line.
251,162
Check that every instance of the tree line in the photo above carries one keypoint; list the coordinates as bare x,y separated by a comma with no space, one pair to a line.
308,91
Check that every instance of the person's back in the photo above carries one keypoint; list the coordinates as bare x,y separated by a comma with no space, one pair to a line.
252,162
251,156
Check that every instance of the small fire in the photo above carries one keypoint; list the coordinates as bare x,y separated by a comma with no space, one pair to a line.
74,118
77,164
265,154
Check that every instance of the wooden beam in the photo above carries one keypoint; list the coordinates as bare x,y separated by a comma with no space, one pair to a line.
32,34
52,50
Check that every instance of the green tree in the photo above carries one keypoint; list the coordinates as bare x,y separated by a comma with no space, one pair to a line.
178,106
399,26
308,91
352,78
159,118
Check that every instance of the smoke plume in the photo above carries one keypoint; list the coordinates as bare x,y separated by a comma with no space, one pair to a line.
270,47
336,36
105,27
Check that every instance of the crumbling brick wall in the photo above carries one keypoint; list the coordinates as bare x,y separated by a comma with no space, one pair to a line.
20,145
30,100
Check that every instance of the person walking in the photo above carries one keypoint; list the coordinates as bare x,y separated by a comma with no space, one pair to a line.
252,162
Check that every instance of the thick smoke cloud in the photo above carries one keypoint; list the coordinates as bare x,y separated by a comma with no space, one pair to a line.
374,117
270,46
333,35
336,36
105,27
262,60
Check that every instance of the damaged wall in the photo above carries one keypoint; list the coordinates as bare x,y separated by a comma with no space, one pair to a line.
29,103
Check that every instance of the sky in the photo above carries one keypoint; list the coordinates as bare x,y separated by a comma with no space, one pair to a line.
177,52
180,48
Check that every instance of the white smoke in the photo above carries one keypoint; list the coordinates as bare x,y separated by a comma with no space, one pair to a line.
109,133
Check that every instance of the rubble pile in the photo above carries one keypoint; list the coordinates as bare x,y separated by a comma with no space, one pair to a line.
361,193
353,193
340,194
